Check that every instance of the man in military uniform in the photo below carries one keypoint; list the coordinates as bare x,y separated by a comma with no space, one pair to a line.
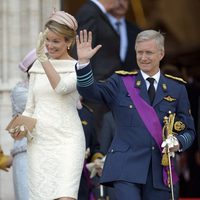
140,102
87,184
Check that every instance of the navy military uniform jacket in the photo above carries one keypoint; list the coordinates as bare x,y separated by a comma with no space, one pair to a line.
87,119
133,149
107,132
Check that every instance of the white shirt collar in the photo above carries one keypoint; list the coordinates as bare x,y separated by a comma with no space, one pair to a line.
155,76
113,20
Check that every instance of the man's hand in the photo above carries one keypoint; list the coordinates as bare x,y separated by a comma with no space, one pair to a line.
87,153
98,164
172,143
96,167
84,47
40,48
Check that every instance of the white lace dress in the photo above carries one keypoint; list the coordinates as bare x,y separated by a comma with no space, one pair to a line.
56,153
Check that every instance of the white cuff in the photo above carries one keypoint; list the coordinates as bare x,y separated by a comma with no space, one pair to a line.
81,66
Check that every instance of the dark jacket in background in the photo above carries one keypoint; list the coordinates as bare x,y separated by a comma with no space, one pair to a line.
107,59
87,119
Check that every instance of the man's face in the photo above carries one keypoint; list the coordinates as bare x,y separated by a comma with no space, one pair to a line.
148,56
120,9
110,4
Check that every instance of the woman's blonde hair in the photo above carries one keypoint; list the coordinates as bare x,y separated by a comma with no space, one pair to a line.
63,30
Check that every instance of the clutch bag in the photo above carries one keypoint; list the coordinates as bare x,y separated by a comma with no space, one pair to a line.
18,120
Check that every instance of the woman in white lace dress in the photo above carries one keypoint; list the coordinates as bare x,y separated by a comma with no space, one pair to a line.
56,152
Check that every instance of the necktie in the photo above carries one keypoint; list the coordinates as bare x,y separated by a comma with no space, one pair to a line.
151,90
118,23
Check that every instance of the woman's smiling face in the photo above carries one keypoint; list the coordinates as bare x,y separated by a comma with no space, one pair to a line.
56,45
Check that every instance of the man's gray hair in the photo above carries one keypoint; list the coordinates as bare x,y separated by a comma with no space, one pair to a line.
150,35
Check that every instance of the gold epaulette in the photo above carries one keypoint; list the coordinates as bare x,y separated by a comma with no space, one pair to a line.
175,78
123,72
